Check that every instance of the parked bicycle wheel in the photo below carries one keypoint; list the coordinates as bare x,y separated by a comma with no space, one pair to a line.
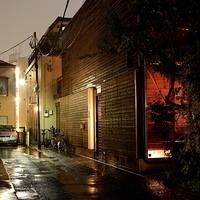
54,143
62,145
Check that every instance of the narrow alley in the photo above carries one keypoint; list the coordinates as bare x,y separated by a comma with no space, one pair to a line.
49,175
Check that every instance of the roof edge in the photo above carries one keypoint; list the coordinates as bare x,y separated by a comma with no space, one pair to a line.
5,64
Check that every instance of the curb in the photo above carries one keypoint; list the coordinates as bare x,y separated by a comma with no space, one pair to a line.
6,187
3,172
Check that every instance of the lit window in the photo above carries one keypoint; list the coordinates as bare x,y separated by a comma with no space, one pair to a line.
163,123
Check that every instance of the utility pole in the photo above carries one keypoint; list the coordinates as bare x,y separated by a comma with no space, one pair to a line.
37,90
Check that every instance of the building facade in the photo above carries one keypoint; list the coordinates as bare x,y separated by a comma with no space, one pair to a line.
49,74
102,102
7,94
104,111
21,64
98,107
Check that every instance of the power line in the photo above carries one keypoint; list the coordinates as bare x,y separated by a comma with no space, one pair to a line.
54,42
16,45
60,28
67,46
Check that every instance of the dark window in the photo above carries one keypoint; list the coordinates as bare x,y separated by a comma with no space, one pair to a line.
3,86
59,88
164,124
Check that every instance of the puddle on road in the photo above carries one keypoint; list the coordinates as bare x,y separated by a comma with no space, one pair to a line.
85,185
11,152
7,194
17,182
18,170
30,195
7,191
158,189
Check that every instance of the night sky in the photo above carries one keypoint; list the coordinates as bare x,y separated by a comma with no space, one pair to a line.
20,18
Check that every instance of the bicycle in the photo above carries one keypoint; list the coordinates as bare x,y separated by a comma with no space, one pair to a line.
58,141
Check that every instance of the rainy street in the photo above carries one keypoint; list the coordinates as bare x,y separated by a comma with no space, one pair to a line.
49,175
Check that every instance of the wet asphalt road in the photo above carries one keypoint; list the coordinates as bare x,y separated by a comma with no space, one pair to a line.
51,176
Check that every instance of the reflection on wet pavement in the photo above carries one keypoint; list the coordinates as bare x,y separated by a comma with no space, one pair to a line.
52,176
159,190
27,194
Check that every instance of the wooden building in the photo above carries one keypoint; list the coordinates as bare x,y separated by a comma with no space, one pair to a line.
99,105
104,108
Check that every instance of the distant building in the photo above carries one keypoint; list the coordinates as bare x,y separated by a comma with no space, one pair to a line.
21,64
7,94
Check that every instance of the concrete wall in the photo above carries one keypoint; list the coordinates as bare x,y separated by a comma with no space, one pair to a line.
50,68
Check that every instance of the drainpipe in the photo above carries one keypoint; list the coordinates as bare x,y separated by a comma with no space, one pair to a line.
140,102
37,90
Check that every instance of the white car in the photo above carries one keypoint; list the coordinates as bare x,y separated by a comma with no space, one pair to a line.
8,134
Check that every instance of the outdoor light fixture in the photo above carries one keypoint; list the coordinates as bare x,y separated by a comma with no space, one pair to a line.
91,117
90,85
36,108
98,89
22,82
